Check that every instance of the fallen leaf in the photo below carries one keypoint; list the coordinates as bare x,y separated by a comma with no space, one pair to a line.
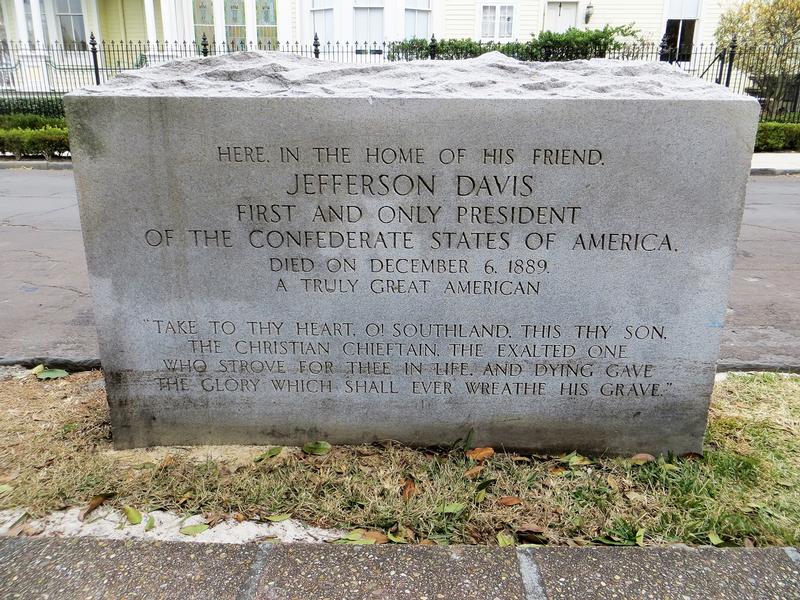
505,539
278,518
271,453
557,470
473,472
427,543
531,533
403,535
692,456
485,484
239,517
714,538
133,516
193,530
573,459
640,537
480,453
355,537
613,483
409,488
636,496
318,448
185,498
748,543
614,541
51,374
480,496
670,467
93,504
453,508
642,458
168,461
378,536
509,501
37,369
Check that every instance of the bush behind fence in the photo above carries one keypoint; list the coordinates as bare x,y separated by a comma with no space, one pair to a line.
33,78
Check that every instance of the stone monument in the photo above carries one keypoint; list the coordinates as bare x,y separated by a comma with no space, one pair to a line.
283,249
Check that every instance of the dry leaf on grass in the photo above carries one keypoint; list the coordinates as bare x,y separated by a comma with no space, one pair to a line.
93,504
642,458
409,488
480,453
509,501
473,472
378,536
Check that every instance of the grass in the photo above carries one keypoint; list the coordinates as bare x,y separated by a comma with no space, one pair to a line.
55,452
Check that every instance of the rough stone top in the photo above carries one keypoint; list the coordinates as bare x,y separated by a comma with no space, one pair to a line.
492,75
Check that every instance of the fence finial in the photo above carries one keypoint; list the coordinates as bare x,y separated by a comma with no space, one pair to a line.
95,64
316,45
433,47
204,44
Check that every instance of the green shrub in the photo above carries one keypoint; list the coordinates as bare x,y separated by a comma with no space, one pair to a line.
573,44
46,106
777,137
46,142
30,121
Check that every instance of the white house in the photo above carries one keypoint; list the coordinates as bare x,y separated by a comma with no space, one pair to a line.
260,21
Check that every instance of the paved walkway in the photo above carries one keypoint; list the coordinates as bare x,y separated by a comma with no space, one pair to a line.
45,307
775,163
94,569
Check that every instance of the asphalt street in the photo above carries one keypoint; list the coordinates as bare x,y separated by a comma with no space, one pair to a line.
46,311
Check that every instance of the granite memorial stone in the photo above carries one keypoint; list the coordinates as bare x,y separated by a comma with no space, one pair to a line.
285,249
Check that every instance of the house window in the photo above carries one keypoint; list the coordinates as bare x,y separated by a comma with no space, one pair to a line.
418,16
203,20
322,17
235,31
266,24
561,16
497,21
368,21
679,37
682,16
69,17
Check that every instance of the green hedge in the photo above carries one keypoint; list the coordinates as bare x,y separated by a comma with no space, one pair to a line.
46,106
29,121
776,137
47,142
573,44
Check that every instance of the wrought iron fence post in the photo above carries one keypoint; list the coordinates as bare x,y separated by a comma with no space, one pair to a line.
93,47
731,57
316,45
433,47
204,45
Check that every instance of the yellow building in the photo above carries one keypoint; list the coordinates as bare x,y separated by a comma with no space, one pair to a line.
262,21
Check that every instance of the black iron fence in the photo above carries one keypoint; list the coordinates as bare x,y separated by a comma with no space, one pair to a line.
34,77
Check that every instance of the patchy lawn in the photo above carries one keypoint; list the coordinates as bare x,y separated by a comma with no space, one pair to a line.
55,452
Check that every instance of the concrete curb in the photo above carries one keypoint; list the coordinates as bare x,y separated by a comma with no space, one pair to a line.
38,165
82,567
769,171
45,165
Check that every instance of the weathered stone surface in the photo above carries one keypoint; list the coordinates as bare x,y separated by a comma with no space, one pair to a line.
283,249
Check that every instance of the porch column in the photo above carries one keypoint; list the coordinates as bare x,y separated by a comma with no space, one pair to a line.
250,22
218,7
36,17
150,20
21,21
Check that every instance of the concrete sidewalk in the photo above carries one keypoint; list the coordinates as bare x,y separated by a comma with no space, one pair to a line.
89,568
775,163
